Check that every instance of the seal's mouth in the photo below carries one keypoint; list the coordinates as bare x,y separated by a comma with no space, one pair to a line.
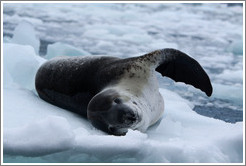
117,131
110,129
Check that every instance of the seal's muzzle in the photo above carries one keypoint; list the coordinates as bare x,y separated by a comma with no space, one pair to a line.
107,112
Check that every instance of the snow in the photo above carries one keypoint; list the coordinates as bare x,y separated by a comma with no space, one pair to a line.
36,131
42,130
34,139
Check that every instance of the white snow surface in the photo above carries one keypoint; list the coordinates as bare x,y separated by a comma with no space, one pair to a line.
36,131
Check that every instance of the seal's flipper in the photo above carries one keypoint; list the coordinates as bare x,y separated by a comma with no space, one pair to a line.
181,68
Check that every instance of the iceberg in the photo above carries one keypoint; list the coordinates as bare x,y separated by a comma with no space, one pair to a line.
20,64
229,92
236,47
25,34
62,49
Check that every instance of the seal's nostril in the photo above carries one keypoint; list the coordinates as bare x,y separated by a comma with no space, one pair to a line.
130,117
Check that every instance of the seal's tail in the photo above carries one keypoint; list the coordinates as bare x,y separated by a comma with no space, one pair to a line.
180,67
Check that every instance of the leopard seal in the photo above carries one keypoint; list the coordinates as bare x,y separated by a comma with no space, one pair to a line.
117,94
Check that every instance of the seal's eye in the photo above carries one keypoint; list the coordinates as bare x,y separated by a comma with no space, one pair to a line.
117,101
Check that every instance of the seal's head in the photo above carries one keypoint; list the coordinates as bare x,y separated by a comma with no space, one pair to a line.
109,112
